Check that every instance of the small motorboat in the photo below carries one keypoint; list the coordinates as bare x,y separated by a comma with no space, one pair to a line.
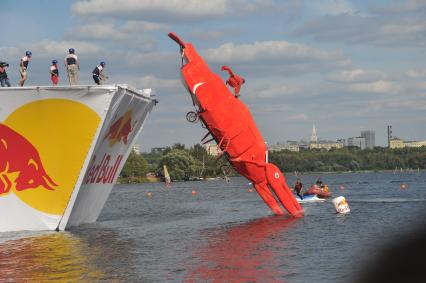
309,198
322,192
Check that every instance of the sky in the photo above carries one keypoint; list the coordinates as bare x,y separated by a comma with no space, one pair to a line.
345,66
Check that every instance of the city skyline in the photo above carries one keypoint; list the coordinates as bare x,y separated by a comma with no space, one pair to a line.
342,65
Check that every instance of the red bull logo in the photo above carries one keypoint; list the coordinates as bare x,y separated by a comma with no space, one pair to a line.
120,129
43,146
20,164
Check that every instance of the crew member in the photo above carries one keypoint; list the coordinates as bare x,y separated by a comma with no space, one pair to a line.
23,65
54,72
98,73
298,188
234,80
319,183
72,64
4,80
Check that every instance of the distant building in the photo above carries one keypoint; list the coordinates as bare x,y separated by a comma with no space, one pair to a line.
327,145
357,141
399,143
389,134
287,146
136,148
157,149
314,138
212,149
369,136
322,144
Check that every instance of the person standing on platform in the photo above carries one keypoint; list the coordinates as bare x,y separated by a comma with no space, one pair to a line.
4,80
98,73
72,65
54,73
23,65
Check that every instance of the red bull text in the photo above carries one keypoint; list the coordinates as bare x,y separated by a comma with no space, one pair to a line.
103,172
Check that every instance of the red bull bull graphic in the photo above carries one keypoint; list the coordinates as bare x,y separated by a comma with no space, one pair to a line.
20,159
121,128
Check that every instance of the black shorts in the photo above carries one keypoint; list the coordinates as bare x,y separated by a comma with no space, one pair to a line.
96,79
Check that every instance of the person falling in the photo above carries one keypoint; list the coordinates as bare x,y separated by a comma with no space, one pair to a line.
234,80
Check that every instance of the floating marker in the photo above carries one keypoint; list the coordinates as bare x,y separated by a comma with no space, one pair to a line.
342,188
149,194
250,190
194,192
341,205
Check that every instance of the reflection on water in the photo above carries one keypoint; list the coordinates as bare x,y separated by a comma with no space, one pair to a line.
223,234
60,257
250,252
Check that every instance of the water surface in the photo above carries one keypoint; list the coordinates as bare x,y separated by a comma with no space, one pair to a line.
222,234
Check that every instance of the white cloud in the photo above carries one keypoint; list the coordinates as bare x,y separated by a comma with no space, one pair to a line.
169,11
10,52
416,74
330,7
270,51
160,85
394,25
357,76
93,31
375,87
50,48
299,117
274,58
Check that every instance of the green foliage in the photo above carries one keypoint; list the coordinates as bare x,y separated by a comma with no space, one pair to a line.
134,170
180,164
195,162
349,159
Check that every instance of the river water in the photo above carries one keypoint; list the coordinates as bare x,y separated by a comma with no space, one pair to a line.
223,233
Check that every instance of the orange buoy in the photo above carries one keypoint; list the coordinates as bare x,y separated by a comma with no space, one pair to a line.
250,190
194,192
403,186
149,194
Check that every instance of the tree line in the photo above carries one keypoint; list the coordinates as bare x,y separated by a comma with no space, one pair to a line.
183,164
350,159
195,163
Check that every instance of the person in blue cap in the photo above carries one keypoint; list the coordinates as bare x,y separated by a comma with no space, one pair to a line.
54,72
98,73
23,65
72,65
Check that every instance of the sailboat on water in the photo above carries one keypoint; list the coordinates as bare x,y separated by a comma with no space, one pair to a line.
167,179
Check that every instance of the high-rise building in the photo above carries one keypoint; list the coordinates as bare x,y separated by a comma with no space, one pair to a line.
389,135
369,136
357,141
314,138
212,149
136,148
